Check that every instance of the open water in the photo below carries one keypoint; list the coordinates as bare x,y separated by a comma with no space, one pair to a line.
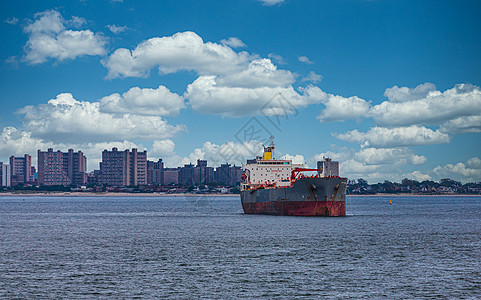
176,247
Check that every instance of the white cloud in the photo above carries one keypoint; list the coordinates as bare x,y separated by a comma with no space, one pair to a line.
229,152
18,142
233,42
469,124
48,38
76,22
277,58
206,96
464,100
418,176
404,94
229,83
271,2
258,73
339,108
474,163
182,51
11,21
383,156
296,159
155,102
313,77
380,137
341,155
66,119
374,165
464,172
163,148
116,29
305,60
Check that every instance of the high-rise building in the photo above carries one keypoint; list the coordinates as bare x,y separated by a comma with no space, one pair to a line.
186,175
170,176
222,174
154,171
5,179
202,173
328,167
61,168
123,168
21,169
235,176
228,175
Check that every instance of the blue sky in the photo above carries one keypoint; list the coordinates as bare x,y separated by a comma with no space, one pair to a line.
391,89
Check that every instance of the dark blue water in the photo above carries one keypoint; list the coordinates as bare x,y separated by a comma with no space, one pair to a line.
145,247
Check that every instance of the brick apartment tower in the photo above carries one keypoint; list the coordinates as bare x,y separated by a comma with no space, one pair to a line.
123,168
61,168
21,169
5,178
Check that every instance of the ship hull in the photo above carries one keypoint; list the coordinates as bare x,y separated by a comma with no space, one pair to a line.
307,197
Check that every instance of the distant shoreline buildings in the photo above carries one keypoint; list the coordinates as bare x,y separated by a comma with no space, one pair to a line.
117,169
130,170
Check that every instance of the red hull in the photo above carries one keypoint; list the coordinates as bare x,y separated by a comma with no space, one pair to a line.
297,208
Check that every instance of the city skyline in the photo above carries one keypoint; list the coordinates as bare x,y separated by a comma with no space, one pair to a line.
117,169
389,89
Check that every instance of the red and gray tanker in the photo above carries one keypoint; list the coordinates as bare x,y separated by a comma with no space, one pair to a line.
280,187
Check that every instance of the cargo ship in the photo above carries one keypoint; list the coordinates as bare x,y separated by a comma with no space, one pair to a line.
279,187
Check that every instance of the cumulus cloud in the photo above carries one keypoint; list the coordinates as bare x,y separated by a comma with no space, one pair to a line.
380,137
163,148
229,152
383,156
374,164
474,163
66,119
313,77
229,83
116,29
339,108
469,124
207,96
49,38
305,60
276,58
155,102
296,159
418,176
182,51
464,100
341,155
469,171
14,141
404,94
258,73
233,42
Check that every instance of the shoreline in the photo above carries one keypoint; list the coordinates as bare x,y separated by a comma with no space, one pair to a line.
415,195
121,194
110,194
